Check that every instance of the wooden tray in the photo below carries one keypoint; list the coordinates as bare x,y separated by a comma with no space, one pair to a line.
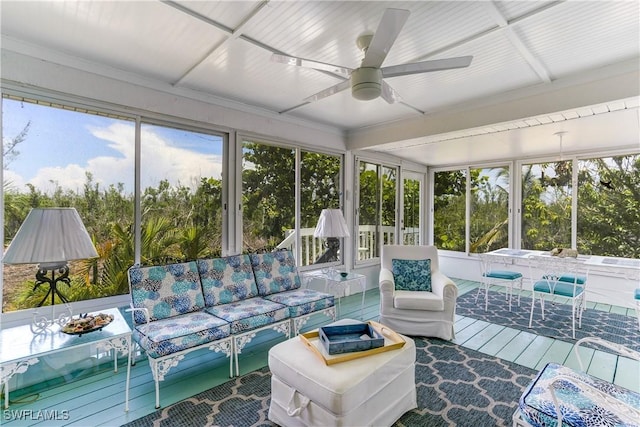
392,341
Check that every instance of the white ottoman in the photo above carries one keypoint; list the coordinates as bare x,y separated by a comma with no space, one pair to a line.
371,391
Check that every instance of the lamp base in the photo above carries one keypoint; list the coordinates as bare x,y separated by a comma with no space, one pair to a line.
42,279
332,246
41,324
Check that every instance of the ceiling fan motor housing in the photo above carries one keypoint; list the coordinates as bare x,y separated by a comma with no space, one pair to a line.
366,83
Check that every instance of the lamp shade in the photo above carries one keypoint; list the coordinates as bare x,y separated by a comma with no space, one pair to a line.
48,236
331,224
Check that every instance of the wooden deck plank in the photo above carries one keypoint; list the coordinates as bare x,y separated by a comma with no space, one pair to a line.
557,353
618,310
603,307
534,351
479,339
462,323
516,346
471,330
466,287
586,354
627,374
498,342
603,365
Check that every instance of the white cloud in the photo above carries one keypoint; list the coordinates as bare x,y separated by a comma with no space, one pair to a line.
164,161
71,177
13,180
161,160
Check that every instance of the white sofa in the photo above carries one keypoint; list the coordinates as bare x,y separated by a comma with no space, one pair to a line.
417,313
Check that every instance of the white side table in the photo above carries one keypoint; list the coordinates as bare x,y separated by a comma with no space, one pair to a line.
335,283
21,348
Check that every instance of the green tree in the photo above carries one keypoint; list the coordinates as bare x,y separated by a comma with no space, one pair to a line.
546,206
609,206
268,194
449,210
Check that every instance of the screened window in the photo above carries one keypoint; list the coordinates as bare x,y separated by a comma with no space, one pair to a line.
60,157
546,205
181,187
489,222
320,183
449,209
269,199
609,206
268,196
412,190
377,189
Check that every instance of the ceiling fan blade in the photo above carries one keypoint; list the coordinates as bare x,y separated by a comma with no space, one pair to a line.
343,85
426,66
389,94
307,63
392,22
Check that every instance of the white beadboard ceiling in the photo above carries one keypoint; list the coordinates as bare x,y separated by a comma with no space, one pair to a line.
559,55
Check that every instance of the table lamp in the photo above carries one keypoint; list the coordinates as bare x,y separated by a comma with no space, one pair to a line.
50,237
331,226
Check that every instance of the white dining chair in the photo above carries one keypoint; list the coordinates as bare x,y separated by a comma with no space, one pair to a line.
494,270
554,277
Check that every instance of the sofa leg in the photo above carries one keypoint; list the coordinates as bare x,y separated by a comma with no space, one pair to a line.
157,394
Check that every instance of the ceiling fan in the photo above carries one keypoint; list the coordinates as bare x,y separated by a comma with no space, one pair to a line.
366,82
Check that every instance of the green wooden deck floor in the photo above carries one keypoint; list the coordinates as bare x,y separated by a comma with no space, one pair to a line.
98,399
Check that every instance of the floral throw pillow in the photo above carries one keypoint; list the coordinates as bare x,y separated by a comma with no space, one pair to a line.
412,274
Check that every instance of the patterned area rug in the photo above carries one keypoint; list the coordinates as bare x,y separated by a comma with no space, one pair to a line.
455,386
612,327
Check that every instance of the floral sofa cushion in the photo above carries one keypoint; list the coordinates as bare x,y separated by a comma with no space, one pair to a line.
165,290
167,336
226,280
302,301
250,314
275,272
578,409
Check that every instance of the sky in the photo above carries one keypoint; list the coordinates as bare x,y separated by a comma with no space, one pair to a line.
61,146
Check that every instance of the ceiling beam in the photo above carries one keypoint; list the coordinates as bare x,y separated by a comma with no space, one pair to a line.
619,81
488,31
516,42
233,33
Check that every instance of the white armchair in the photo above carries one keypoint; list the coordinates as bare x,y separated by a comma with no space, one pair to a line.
417,312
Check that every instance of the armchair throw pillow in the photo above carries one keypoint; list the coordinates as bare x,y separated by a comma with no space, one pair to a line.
412,274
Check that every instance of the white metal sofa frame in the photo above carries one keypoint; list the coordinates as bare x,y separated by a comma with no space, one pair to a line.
232,343
160,366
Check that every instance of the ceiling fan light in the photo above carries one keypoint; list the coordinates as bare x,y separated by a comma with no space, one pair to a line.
366,83
366,91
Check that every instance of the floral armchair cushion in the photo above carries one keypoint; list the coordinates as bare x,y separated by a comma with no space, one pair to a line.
275,272
165,290
226,280
412,274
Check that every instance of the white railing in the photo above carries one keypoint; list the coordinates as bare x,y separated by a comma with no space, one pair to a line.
312,247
